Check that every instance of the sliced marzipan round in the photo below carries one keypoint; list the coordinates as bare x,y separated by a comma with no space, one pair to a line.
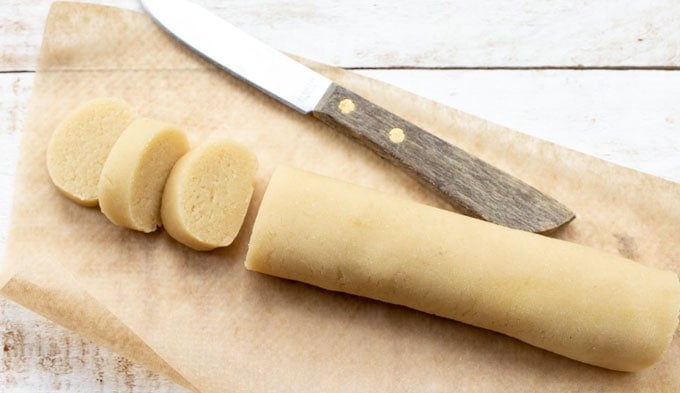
80,144
207,195
133,177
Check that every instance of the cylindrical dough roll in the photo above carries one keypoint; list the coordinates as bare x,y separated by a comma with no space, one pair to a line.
80,144
134,174
569,299
208,193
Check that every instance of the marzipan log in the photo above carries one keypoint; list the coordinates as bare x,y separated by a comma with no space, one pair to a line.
572,300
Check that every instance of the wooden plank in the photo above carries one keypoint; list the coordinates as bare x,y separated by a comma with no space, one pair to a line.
20,33
626,117
431,33
21,28
14,96
40,356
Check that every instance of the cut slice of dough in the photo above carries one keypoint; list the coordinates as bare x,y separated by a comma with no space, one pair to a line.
80,144
576,301
207,195
133,177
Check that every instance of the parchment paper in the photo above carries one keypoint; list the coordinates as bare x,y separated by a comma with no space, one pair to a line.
205,320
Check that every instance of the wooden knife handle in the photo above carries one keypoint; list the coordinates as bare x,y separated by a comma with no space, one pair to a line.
468,183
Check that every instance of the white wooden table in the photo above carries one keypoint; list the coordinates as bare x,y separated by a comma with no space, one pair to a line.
600,77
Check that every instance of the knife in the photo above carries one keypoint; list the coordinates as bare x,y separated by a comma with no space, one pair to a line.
468,183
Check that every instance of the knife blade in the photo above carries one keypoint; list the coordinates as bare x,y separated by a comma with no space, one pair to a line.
471,185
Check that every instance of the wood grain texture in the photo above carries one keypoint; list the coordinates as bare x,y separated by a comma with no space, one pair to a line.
21,28
431,33
40,356
468,183
15,91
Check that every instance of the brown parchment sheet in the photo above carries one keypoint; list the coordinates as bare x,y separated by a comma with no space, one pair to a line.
210,324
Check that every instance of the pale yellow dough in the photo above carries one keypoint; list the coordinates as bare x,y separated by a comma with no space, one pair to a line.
133,177
575,301
207,195
80,144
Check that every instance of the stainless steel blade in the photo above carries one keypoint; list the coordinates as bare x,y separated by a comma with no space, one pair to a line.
241,54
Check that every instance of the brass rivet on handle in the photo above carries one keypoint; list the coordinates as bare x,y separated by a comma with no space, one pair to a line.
397,135
346,106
